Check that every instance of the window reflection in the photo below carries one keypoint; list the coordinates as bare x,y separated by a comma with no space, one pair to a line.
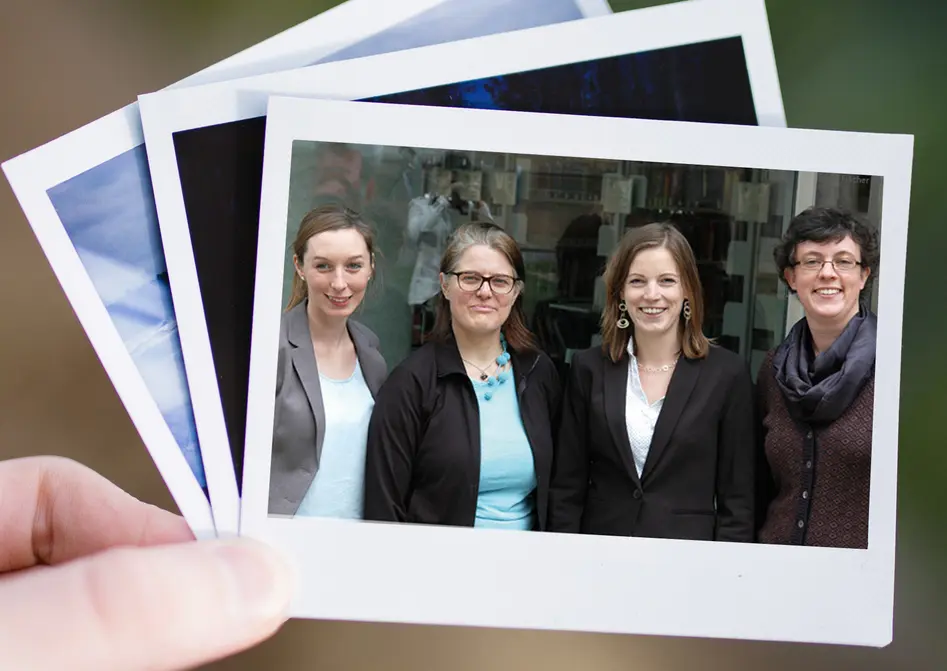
567,215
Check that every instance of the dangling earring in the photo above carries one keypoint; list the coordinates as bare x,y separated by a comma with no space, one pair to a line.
686,310
623,322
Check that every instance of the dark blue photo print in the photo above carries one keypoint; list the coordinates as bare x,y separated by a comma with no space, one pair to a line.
221,167
705,82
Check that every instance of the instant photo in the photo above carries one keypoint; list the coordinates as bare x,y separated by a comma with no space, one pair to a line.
722,80
568,216
750,473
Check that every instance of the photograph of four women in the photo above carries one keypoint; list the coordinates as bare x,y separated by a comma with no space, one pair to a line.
656,432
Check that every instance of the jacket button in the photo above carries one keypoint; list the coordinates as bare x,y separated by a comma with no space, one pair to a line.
636,494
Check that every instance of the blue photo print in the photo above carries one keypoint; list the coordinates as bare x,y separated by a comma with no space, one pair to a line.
460,20
109,214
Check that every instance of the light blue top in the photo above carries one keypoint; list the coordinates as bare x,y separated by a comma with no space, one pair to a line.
339,486
507,473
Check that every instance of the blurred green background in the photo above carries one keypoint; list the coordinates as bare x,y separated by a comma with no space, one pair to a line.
843,64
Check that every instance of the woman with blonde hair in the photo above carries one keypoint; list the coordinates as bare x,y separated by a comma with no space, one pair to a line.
328,372
657,432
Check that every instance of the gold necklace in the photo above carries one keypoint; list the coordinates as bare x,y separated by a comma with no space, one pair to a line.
657,369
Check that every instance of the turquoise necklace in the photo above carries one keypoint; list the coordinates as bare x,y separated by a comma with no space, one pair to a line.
501,375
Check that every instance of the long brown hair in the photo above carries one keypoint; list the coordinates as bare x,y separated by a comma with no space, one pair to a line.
325,218
651,236
517,334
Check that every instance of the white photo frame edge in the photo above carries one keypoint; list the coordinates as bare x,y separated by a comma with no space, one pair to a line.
111,136
167,112
749,591
593,8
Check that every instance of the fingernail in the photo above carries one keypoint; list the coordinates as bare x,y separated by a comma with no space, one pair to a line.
263,579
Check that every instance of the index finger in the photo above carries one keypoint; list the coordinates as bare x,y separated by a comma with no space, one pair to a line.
53,510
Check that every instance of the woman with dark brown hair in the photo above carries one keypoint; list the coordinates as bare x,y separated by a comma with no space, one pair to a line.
657,433
328,372
462,432
816,390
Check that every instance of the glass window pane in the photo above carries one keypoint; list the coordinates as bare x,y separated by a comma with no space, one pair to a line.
567,214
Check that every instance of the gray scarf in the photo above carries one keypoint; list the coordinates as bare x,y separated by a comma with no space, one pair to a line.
820,388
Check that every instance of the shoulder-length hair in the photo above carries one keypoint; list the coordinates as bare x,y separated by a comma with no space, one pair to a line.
325,218
515,330
658,235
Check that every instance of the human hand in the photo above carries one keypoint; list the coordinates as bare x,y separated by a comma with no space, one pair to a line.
91,578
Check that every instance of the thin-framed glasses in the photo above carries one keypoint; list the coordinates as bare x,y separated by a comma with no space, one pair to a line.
471,282
843,265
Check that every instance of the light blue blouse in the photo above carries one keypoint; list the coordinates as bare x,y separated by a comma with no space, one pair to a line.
506,498
339,486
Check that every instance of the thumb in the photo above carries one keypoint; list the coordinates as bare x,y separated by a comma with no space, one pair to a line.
163,607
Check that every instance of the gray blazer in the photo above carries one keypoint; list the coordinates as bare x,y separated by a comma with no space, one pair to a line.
299,413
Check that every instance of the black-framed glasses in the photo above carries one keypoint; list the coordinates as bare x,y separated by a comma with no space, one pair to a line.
843,265
471,282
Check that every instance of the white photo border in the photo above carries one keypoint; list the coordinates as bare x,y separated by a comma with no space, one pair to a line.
592,8
478,577
168,112
33,173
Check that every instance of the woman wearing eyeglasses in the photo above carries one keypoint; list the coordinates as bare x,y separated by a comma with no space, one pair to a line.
462,431
815,391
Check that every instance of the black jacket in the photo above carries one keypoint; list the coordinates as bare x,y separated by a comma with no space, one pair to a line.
698,479
423,460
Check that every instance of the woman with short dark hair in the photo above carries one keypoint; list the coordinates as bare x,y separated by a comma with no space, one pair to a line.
815,391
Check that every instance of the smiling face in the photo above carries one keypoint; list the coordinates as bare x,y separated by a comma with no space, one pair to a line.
653,292
829,295
336,268
482,310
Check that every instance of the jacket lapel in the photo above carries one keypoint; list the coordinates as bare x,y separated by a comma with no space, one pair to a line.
374,369
679,390
615,389
304,361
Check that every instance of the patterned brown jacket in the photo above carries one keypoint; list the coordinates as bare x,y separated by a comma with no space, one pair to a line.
813,481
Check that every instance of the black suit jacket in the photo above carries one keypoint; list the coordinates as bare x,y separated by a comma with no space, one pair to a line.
423,457
698,479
